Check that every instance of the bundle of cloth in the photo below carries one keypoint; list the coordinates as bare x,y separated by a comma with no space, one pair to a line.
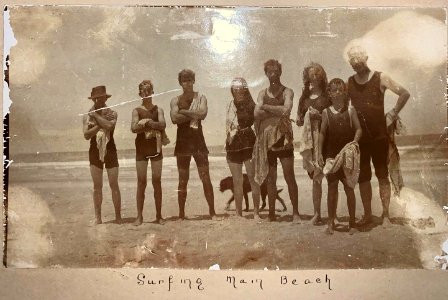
161,138
195,105
309,146
349,160
269,131
394,127
102,136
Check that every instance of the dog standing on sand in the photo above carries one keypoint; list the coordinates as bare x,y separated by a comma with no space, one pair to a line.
227,184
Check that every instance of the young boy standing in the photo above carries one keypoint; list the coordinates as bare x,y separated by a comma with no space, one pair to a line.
340,126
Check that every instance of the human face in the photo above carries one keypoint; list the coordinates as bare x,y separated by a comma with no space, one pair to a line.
313,77
100,101
187,84
273,73
238,93
337,94
358,61
145,90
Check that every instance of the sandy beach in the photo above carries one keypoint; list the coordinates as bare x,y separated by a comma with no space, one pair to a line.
51,223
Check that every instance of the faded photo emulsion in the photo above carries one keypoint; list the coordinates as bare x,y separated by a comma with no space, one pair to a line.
227,138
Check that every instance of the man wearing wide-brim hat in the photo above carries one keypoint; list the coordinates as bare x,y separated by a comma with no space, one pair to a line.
98,127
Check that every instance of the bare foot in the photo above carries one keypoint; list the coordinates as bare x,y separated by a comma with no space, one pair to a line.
352,230
329,230
257,218
236,218
365,221
268,219
284,209
160,221
138,221
386,222
117,221
216,218
316,219
296,219
227,208
98,221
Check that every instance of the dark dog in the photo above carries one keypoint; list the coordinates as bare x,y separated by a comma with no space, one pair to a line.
227,184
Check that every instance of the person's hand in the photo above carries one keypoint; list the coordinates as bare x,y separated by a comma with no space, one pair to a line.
392,114
320,160
143,122
313,113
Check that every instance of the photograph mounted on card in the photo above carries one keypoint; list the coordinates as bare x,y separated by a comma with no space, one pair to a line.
226,137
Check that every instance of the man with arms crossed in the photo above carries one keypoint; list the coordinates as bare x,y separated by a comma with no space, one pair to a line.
276,101
187,111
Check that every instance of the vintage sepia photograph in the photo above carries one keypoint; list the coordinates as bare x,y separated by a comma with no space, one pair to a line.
218,138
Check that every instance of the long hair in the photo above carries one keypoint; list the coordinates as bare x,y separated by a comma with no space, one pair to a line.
323,82
241,83
321,75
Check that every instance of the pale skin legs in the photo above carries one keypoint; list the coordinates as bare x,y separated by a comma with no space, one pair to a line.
385,192
156,175
97,177
184,176
365,189
237,176
317,199
288,173
204,175
332,202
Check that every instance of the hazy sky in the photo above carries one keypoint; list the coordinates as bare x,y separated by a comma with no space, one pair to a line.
62,52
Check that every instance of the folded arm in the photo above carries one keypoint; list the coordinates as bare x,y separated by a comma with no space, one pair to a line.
137,126
259,113
103,122
279,111
161,124
89,132
198,114
176,117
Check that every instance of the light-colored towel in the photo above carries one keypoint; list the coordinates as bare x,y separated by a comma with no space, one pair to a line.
394,127
161,137
231,122
102,136
195,105
268,131
349,160
309,146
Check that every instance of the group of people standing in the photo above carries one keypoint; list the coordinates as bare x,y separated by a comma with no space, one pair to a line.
341,119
